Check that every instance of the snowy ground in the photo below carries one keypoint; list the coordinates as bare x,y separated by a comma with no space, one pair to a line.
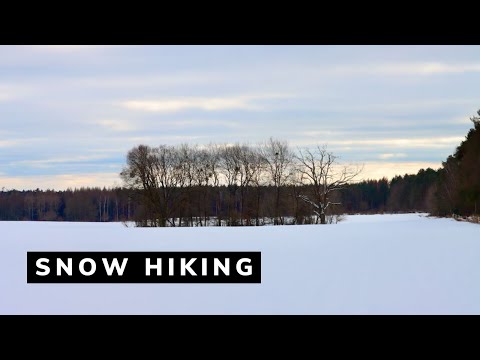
368,264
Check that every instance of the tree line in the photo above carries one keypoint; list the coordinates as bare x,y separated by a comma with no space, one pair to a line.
238,184
121,204
452,190
84,204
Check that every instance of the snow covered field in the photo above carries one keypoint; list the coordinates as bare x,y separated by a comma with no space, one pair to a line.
368,264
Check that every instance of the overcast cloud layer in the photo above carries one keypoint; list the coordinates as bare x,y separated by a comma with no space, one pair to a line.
69,114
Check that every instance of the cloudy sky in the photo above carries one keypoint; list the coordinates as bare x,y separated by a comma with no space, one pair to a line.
69,114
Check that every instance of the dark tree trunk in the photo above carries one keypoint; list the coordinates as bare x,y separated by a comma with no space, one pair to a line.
322,218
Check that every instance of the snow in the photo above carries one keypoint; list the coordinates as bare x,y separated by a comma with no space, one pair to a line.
367,264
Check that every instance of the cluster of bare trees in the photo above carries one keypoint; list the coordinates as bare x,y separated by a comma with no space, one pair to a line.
121,204
175,183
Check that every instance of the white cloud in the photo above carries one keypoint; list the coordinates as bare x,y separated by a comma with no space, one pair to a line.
116,125
391,156
20,142
372,144
60,182
174,124
174,105
206,104
411,107
427,68
46,163
149,80
407,68
11,143
320,134
461,120
166,139
10,92
434,142
424,104
4,96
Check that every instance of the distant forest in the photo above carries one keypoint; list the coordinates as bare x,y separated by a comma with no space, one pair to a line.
120,204
453,189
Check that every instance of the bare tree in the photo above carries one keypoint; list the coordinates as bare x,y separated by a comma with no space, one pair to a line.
205,174
278,159
160,174
177,182
296,185
247,171
139,175
230,166
213,167
258,180
189,164
170,175
320,169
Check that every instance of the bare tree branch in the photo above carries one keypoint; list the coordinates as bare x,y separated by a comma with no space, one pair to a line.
319,168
